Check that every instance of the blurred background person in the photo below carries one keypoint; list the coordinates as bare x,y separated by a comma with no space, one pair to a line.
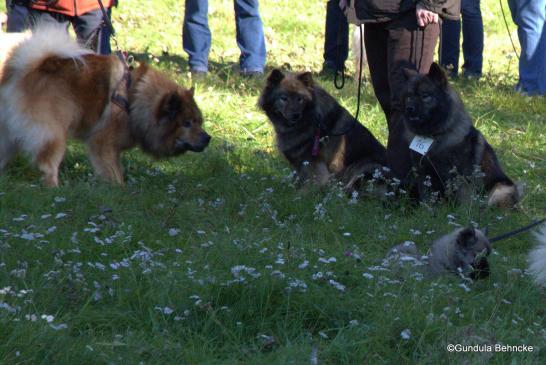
85,16
336,39
196,36
530,17
472,26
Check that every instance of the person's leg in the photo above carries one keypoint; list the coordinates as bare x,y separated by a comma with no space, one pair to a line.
408,46
250,36
449,47
541,57
336,37
196,37
472,37
89,28
530,17
375,43
17,17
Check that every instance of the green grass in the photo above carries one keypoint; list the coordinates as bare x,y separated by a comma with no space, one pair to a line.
110,274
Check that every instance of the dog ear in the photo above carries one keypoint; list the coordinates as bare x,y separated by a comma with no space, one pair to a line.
437,74
170,106
409,72
306,78
275,77
466,238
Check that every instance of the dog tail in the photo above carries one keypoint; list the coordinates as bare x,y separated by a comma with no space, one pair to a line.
47,40
537,258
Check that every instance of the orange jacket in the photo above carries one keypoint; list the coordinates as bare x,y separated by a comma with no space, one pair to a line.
70,7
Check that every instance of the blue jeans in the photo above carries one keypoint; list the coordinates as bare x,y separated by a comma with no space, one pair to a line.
530,17
336,39
89,27
472,25
196,37
17,17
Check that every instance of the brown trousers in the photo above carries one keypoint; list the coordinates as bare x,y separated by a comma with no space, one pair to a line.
390,47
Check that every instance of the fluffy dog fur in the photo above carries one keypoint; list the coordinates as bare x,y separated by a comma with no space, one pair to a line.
464,250
51,89
460,159
298,110
537,258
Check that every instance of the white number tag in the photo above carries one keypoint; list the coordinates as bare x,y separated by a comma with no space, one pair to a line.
421,144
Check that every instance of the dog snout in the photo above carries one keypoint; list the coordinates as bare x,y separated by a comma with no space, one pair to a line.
410,109
205,138
296,116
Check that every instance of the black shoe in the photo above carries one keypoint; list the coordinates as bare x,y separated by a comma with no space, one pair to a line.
198,75
472,75
254,75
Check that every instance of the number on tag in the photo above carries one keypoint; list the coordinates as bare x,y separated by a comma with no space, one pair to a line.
421,144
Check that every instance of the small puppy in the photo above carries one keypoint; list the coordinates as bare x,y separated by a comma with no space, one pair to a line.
51,89
317,136
449,155
464,250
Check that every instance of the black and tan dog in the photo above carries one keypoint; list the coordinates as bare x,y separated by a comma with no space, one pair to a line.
449,155
318,137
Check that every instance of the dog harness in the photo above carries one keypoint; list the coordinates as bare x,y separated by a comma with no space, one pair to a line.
117,98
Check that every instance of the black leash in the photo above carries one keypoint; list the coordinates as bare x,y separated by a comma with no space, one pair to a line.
358,93
508,30
517,231
106,19
339,72
359,90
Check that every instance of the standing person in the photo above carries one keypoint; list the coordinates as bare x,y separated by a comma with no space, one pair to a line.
196,36
336,39
530,17
398,34
85,16
472,24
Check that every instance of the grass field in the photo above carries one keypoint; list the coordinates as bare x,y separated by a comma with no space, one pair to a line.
215,258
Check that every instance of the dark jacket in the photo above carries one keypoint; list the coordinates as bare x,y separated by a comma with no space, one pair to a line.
385,10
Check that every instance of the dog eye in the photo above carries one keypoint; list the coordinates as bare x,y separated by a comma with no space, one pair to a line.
427,98
187,124
300,99
283,98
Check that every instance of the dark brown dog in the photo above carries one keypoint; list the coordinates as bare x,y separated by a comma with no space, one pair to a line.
51,88
318,137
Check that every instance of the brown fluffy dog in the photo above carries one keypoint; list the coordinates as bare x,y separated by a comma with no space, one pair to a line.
52,89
